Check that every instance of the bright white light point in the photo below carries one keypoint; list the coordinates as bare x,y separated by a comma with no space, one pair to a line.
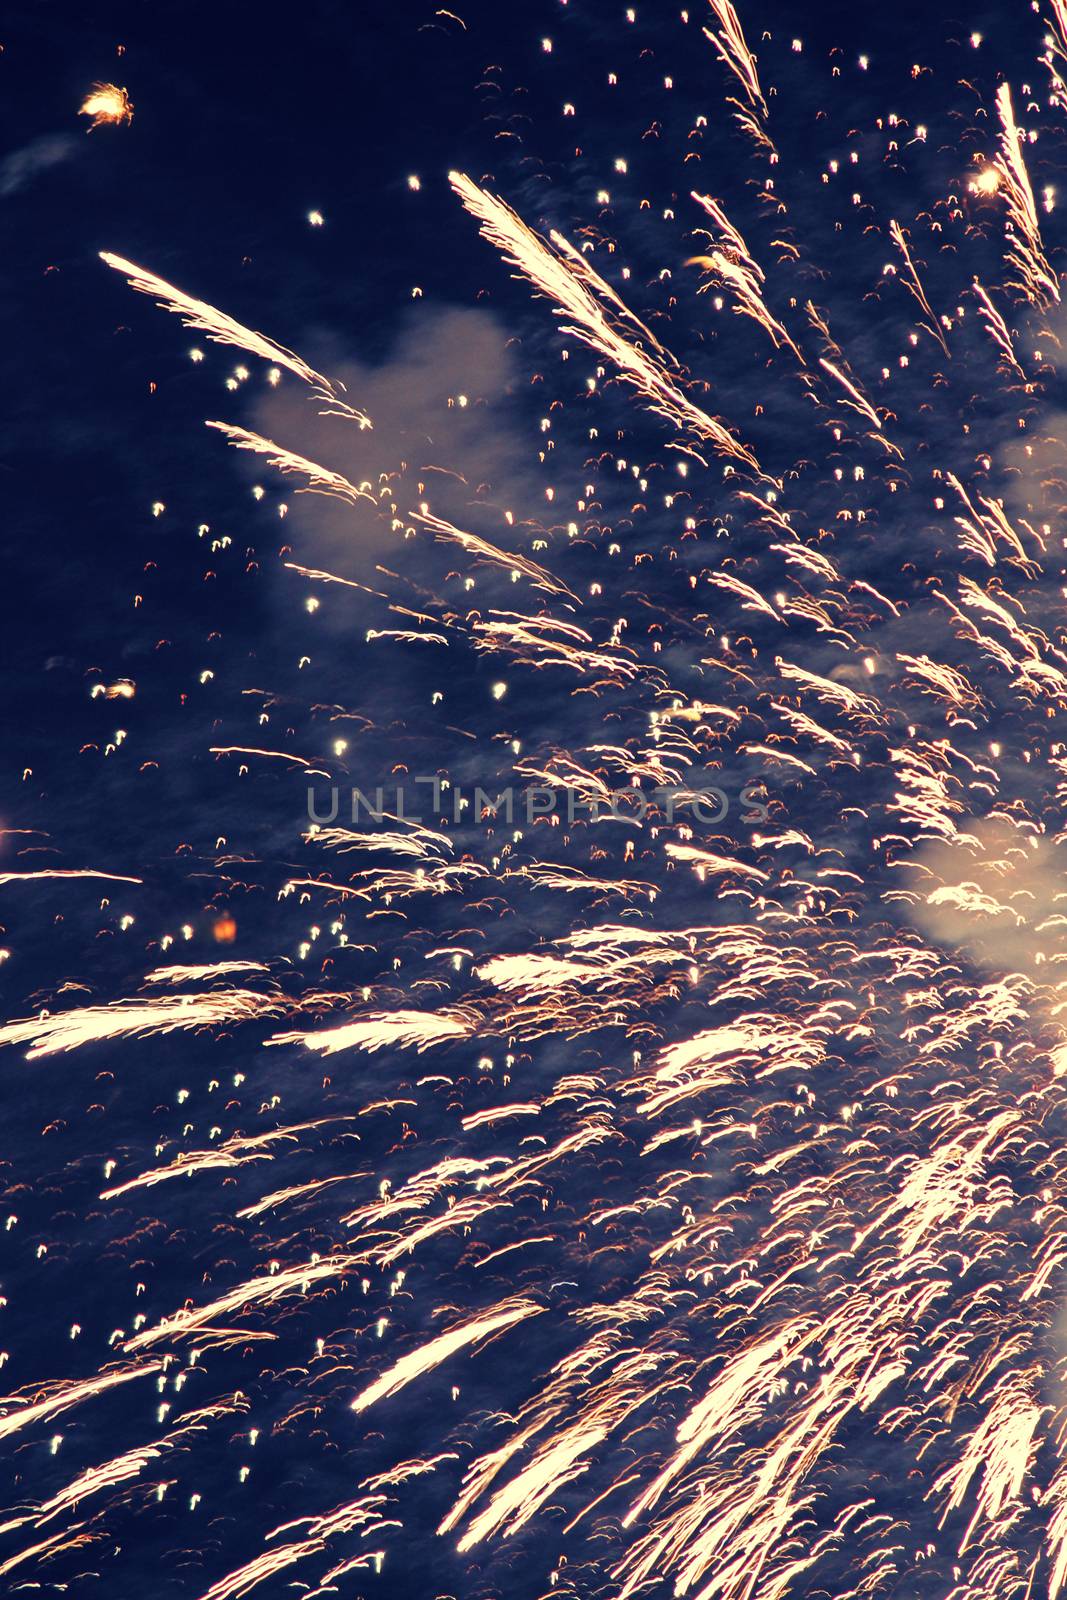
414,183
499,691
315,218
274,377
620,164
976,39
158,508
311,604
196,355
988,182
340,746
546,46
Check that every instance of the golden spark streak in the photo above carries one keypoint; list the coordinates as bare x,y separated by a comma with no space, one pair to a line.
321,480
431,1354
590,322
220,328
59,1397
66,1030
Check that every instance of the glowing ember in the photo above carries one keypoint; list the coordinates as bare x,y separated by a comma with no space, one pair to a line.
106,103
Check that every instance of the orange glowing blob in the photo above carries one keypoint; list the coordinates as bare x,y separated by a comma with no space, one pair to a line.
224,929
105,103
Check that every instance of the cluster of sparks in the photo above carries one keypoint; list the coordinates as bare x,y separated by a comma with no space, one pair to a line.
725,1166
107,104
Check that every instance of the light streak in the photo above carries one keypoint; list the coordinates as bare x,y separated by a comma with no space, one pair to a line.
431,1354
201,317
68,1030
589,321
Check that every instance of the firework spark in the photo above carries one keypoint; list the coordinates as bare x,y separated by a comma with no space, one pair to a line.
106,103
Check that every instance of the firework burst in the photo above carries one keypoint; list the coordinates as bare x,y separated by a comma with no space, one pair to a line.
627,1203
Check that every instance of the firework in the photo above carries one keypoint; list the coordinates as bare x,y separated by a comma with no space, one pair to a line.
624,1203
106,104
224,330
557,278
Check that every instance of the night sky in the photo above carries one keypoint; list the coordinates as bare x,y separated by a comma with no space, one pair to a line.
729,1151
